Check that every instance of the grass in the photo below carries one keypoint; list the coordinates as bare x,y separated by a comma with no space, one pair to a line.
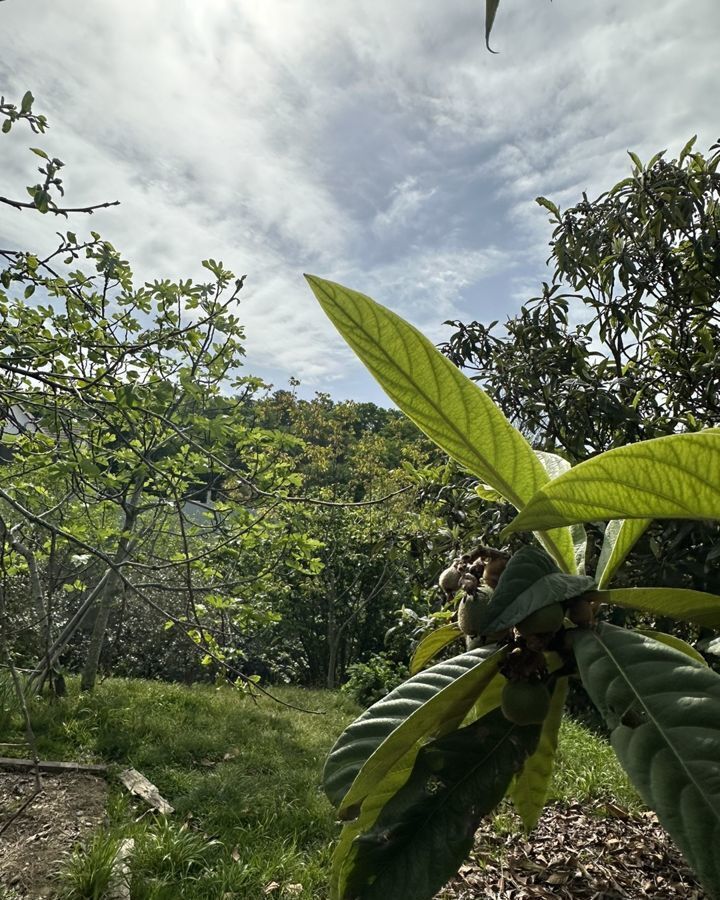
244,780
587,769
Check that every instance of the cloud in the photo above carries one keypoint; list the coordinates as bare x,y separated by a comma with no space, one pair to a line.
406,199
373,143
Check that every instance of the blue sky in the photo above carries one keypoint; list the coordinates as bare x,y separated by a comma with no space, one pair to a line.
374,142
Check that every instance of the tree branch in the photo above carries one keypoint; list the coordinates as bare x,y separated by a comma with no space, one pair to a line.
57,210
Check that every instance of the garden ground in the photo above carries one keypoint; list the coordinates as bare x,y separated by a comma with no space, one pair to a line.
251,822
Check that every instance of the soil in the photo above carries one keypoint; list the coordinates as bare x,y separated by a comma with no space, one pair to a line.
39,841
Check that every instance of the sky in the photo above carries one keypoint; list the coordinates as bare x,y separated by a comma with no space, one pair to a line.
373,142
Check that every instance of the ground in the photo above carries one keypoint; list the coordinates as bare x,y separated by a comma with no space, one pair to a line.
251,821
577,852
35,846
595,852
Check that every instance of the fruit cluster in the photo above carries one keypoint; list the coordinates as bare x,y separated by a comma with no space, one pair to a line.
525,696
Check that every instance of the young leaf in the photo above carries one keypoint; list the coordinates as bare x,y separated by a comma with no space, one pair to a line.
530,581
621,535
431,645
663,711
433,703
636,160
549,206
674,477
452,410
679,603
530,788
426,830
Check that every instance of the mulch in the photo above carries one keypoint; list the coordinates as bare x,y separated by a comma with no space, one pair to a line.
577,852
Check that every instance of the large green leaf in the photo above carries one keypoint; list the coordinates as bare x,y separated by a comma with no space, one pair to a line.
672,641
452,410
346,848
663,711
426,830
556,466
396,777
621,535
674,477
430,704
530,788
679,603
530,581
431,645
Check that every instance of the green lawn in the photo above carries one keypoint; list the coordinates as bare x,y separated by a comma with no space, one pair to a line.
243,777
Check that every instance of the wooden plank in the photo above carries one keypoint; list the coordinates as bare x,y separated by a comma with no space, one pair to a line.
138,784
51,766
119,883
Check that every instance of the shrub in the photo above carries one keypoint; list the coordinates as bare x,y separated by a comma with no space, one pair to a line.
370,681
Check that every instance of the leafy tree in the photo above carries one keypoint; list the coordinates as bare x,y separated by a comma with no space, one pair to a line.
413,776
115,424
621,344
352,456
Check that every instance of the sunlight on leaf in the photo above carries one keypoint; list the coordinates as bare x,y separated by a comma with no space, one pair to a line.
452,410
679,603
431,645
674,477
621,535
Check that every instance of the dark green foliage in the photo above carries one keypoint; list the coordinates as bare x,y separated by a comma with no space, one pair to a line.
368,681
530,581
663,712
426,829
621,345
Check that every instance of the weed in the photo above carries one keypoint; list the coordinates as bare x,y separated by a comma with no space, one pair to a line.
87,873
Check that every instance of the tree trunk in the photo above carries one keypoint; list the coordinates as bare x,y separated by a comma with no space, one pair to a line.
333,647
92,661
333,636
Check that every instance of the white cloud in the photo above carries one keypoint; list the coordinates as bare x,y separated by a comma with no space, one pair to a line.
405,200
374,143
